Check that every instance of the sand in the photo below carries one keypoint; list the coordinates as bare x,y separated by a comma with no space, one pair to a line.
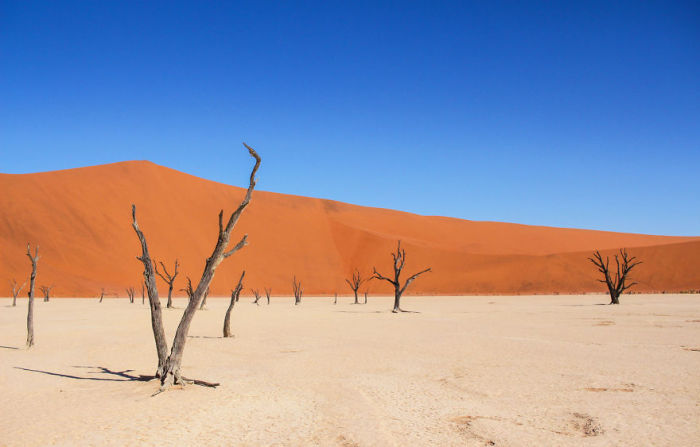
470,371
80,218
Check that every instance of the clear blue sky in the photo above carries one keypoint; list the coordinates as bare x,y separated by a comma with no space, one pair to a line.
573,114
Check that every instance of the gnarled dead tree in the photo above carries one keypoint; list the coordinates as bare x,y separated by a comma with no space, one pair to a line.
46,291
30,306
616,283
16,290
171,372
356,282
256,294
399,261
268,291
235,293
298,291
169,279
130,293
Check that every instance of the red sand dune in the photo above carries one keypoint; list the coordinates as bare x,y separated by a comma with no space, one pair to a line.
81,220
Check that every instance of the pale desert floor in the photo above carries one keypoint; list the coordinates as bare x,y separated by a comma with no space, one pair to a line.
503,371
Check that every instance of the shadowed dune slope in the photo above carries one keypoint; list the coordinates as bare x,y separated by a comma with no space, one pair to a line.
81,220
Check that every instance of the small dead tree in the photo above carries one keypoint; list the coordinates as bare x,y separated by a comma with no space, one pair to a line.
617,284
170,373
16,290
204,300
298,291
143,293
256,294
102,294
130,293
268,291
356,282
30,306
335,298
188,288
399,261
46,291
365,298
169,279
235,293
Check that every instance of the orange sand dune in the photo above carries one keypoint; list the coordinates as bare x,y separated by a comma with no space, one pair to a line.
81,220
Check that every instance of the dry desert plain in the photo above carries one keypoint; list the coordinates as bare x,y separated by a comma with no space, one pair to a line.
488,370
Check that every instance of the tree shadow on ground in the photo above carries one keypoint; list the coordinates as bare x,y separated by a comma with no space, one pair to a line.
9,347
117,376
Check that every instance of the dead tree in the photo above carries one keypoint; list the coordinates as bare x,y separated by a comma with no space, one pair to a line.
102,294
46,291
399,261
16,290
365,298
256,294
204,300
188,288
356,282
171,371
130,293
169,279
143,292
30,306
335,298
616,284
235,293
298,291
268,291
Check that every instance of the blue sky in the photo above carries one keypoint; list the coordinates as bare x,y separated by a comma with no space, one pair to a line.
570,114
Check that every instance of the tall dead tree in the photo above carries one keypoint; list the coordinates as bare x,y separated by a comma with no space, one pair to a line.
102,294
235,293
30,306
298,291
46,291
617,282
356,282
130,293
171,372
169,279
399,261
16,290
268,291
256,294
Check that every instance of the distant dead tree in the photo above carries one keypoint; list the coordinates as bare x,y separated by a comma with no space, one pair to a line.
335,298
356,282
268,291
102,294
130,293
169,280
30,307
256,294
235,293
16,290
399,261
617,283
169,366
365,298
298,291
143,292
46,291
204,300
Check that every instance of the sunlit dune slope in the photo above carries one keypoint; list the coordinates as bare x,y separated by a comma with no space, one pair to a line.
81,220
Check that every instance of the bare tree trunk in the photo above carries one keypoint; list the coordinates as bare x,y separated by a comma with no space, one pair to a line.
30,306
153,300
130,293
143,293
399,261
335,299
204,300
267,295
102,294
169,279
616,283
234,295
16,290
365,298
46,291
298,291
256,294
174,362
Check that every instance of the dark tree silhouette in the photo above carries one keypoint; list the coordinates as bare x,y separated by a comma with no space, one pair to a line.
365,298
46,291
356,282
268,291
335,298
298,291
616,283
130,293
256,294
143,292
234,297
30,306
16,290
169,280
171,371
102,294
399,261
